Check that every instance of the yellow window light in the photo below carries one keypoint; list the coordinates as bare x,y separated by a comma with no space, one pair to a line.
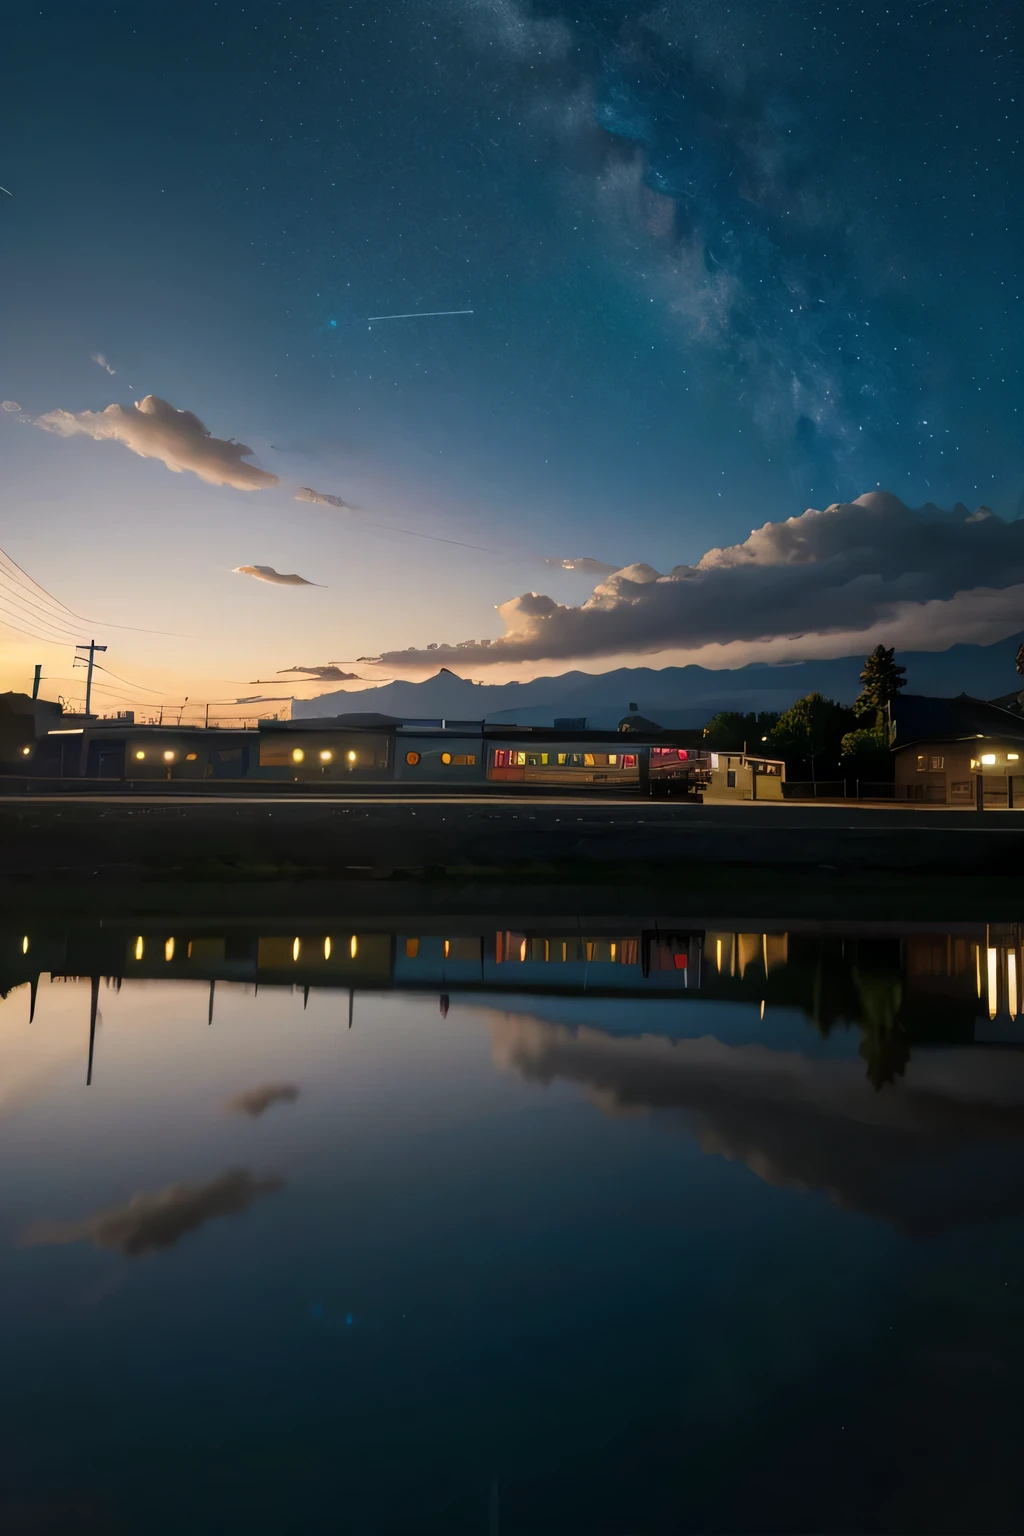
326,756
327,949
24,945
169,950
1011,757
298,755
351,757
296,948
993,973
139,948
988,759
139,756
190,757
168,757
353,947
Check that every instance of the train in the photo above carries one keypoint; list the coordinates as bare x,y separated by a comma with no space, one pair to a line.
367,750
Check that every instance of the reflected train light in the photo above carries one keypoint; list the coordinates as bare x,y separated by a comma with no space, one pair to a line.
139,948
992,957
1011,983
296,948
353,947
169,950
327,949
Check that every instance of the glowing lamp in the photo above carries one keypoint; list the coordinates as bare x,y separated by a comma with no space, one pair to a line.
168,757
298,755
1011,757
139,756
26,751
325,757
351,757
988,759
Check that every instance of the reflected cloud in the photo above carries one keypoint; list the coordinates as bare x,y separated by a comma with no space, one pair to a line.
150,1222
256,1101
914,1156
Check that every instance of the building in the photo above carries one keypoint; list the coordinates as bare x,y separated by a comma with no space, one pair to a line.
961,752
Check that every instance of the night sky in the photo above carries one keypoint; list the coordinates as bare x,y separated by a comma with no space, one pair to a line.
725,262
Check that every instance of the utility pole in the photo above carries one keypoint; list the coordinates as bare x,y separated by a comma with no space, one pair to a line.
92,648
35,680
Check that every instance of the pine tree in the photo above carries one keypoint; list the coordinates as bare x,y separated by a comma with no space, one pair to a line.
882,678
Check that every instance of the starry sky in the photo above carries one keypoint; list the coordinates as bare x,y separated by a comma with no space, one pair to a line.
725,261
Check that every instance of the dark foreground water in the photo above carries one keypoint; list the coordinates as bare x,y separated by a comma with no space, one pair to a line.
518,1232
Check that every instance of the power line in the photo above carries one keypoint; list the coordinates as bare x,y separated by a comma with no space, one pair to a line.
81,619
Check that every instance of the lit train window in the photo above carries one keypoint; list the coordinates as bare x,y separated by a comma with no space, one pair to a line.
465,760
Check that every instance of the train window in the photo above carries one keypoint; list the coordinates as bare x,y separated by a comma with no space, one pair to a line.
588,759
629,759
412,946
465,760
561,759
446,758
190,757
412,758
613,759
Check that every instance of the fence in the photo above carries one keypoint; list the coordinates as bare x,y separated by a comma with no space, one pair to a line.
839,789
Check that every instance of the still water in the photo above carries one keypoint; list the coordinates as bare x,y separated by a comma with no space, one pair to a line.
514,1231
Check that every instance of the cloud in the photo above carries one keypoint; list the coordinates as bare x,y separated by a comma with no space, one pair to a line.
97,357
155,429
9,405
943,1148
276,578
148,1223
256,1101
584,564
330,673
856,568
322,498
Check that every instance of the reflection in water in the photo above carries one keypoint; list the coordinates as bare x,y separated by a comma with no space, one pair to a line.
898,989
256,1101
658,1229
909,1156
150,1222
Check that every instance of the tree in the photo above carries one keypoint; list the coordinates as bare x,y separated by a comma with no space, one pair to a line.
729,729
882,678
862,742
811,726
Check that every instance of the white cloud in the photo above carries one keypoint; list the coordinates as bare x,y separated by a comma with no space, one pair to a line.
277,578
872,566
9,405
321,498
582,563
155,429
97,357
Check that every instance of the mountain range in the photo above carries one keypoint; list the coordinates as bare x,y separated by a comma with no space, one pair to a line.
671,696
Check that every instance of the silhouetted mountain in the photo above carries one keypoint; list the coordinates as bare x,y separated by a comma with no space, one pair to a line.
674,696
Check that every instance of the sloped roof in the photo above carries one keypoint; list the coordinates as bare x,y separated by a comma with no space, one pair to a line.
917,717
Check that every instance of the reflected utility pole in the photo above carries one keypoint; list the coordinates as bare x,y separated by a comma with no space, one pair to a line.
94,1003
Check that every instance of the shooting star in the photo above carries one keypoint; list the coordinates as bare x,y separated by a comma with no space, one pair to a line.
420,314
